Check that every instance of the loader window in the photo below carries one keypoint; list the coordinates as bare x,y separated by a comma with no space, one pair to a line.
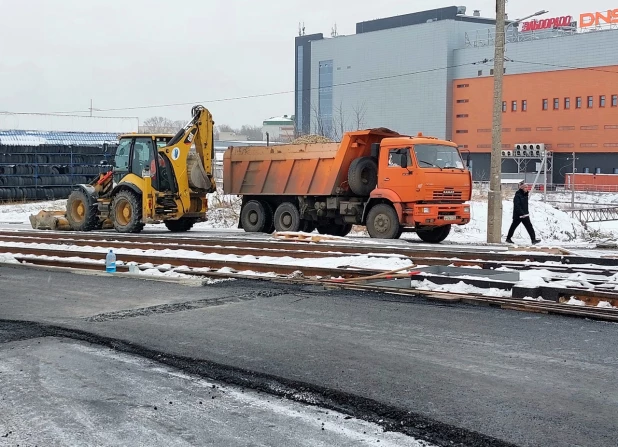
437,156
143,154
122,155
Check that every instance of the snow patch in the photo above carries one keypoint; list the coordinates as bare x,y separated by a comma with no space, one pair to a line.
460,287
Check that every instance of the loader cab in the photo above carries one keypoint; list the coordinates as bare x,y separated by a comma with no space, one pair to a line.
137,152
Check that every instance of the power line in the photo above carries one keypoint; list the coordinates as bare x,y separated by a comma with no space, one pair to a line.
4,113
264,95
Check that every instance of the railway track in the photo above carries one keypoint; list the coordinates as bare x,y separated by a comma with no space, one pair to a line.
190,256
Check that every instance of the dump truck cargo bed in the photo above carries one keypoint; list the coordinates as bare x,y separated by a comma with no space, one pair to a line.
297,170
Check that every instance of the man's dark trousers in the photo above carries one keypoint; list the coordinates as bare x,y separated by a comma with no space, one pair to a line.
527,224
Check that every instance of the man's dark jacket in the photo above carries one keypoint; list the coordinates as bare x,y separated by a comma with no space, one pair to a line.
520,204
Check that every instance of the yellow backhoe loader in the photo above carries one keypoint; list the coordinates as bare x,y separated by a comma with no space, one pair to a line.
156,178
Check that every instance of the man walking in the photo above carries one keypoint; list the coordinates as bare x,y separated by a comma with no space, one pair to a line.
521,214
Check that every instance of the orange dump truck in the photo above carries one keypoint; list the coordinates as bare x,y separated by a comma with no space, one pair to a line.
378,178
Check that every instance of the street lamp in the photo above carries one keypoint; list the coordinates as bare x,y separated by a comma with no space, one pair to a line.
518,21
494,198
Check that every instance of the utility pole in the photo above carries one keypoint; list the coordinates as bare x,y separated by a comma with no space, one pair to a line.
494,209
91,107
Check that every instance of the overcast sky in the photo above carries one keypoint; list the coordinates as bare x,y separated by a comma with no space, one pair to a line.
55,55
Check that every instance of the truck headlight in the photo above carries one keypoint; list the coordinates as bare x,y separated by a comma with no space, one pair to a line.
426,210
466,209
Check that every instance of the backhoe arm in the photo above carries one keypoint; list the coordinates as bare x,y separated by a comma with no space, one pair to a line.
198,131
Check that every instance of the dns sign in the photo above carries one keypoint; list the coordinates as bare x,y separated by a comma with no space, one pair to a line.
589,19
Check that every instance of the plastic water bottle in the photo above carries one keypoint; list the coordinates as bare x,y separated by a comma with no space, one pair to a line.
110,262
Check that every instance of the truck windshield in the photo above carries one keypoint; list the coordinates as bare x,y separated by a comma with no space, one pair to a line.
437,156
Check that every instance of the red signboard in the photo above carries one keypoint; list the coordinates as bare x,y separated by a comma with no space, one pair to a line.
555,22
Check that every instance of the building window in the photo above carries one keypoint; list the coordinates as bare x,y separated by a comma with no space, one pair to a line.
461,101
614,100
324,124
556,103
597,170
602,101
615,170
503,106
578,102
567,103
514,106
590,102
461,131
480,73
299,90
463,85
545,104
462,115
524,105
586,170
491,71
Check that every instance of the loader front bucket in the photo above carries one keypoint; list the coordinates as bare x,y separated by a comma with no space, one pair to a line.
50,220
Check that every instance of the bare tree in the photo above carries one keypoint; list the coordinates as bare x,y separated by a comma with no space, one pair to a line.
318,122
340,125
225,128
253,133
359,111
160,124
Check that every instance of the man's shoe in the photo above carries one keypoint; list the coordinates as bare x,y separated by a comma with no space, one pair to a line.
536,241
509,240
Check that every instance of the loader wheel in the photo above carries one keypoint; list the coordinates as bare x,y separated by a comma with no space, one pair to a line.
382,222
435,235
287,217
363,175
82,212
255,217
180,225
126,212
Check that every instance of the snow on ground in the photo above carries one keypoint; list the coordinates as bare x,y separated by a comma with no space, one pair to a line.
460,287
362,261
19,212
552,225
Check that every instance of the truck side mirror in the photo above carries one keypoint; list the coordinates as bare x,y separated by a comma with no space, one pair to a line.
468,161
403,160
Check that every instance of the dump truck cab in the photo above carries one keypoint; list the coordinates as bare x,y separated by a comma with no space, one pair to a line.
425,179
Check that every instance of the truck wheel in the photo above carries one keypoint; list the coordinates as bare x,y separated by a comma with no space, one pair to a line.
334,229
126,212
435,235
307,226
82,211
287,217
180,225
342,230
254,217
363,175
382,222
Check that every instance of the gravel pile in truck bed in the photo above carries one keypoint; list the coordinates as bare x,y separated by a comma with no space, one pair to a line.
310,139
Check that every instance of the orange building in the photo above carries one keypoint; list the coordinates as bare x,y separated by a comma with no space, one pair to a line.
560,89
568,110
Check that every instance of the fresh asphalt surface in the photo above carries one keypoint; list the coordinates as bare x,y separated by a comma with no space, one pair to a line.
461,372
